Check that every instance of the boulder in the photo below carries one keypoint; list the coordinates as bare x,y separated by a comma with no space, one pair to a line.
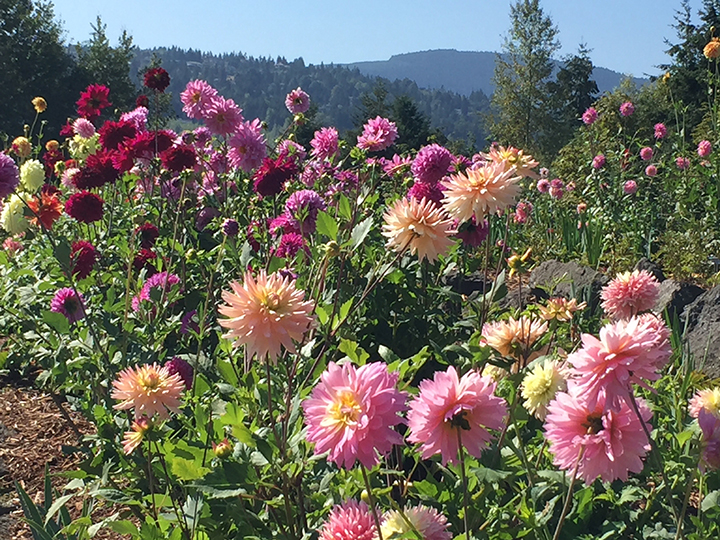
649,266
675,295
569,280
702,318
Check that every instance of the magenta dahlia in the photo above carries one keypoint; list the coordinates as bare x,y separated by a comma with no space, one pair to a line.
431,163
70,304
378,134
82,258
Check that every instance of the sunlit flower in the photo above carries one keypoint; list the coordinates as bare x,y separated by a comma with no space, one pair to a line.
561,309
12,217
196,97
349,521
9,175
450,410
630,187
704,148
378,134
222,116
660,131
32,175
47,209
92,101
710,442
712,49
543,185
682,163
651,170
432,191
163,281
430,523
512,158
352,411
598,161
85,207
421,227
627,108
480,192
297,101
608,443
182,368
325,143
708,399
148,389
514,337
431,163
22,147
82,258
265,314
630,293
247,146
133,438
541,384
589,116
39,104
67,302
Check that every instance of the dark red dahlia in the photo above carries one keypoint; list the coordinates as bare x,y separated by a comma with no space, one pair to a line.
114,133
82,258
85,207
147,233
157,79
98,171
178,158
93,100
143,259
67,130
146,143
271,176
183,369
50,158
142,101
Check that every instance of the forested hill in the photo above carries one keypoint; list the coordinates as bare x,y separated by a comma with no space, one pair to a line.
259,86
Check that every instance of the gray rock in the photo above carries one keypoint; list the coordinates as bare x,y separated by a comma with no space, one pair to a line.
466,284
570,280
649,266
703,331
674,296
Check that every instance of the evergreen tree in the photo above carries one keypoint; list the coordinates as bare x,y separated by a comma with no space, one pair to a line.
522,114
412,125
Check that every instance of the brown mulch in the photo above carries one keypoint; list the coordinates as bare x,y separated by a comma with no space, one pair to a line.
32,434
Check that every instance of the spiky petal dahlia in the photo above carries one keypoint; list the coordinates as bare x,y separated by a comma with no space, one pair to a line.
513,337
378,134
136,435
431,163
196,98
630,293
349,521
419,226
707,399
431,524
265,314
449,408
149,390
512,158
481,191
612,442
352,411
67,302
626,352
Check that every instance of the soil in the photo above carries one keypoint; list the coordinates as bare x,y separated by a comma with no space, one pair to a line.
33,434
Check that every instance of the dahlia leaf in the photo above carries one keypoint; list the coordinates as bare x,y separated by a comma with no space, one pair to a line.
344,208
57,321
711,500
234,417
360,232
326,225
186,469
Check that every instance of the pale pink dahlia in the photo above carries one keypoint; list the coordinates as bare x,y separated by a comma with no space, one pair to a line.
297,101
149,389
612,442
349,521
352,411
222,116
133,438
427,521
247,146
630,293
449,408
512,158
707,399
431,163
420,226
325,143
196,98
265,314
479,192
627,352
84,128
589,116
378,134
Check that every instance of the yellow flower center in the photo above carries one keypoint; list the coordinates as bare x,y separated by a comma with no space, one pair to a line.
271,301
346,410
149,381
196,97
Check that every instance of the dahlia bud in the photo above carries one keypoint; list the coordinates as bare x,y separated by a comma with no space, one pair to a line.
223,450
365,496
299,119
230,228
332,249
40,104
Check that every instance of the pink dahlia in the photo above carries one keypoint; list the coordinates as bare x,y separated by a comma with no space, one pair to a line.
265,314
646,153
543,185
630,293
397,165
352,411
704,148
297,101
378,134
137,117
630,187
598,161
247,146
431,163
163,282
69,303
626,352
196,98
423,190
84,128
471,233
133,438
589,116
222,116
627,108
660,131
303,206
290,245
325,143
450,410
148,389
682,163
710,442
612,441
651,170
183,369
523,209
349,521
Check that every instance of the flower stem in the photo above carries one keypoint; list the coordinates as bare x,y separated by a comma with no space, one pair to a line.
466,503
566,506
688,491
368,487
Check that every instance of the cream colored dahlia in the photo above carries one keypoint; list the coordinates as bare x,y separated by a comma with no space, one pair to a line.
540,386
561,309
708,399
512,158
427,521
136,435
149,389
422,227
479,192
513,337
265,314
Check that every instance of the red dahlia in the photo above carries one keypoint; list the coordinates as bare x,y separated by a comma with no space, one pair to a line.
82,258
269,178
98,171
178,158
93,100
147,233
142,101
114,133
157,79
85,207
143,259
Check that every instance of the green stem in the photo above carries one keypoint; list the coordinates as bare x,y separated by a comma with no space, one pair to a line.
373,507
466,503
566,506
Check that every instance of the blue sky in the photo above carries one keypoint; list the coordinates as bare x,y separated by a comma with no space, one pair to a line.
624,35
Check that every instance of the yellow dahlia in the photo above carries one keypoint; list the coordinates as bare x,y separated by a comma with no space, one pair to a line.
512,158
265,314
481,191
513,337
40,104
540,386
561,309
708,399
421,226
149,389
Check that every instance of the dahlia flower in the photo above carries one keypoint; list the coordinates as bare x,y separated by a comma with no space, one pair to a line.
514,337
325,143
12,217
349,521
178,158
449,410
148,234
626,352
39,104
290,244
540,386
85,207
265,314
247,146
230,228
598,161
137,117
21,146
397,165
182,368
148,389
270,179
682,163
98,171
427,521
707,399
660,131
432,191
156,78
630,187
421,227
512,158
704,148
352,411
82,258
133,438
92,101
9,175
523,209
12,246
47,209
646,153
612,442
222,116
543,185
290,149
627,108
712,50
710,442
651,170
378,134
70,304
162,281
297,101
589,116
196,97
431,163
303,206
629,294
473,234
114,133
479,192
32,175
561,309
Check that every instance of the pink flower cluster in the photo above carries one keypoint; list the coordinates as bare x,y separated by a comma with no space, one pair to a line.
378,134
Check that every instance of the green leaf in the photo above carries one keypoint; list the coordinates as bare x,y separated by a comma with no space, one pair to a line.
62,254
322,314
711,500
326,225
186,469
360,232
124,527
56,321
234,417
344,208
684,436
353,351
56,506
